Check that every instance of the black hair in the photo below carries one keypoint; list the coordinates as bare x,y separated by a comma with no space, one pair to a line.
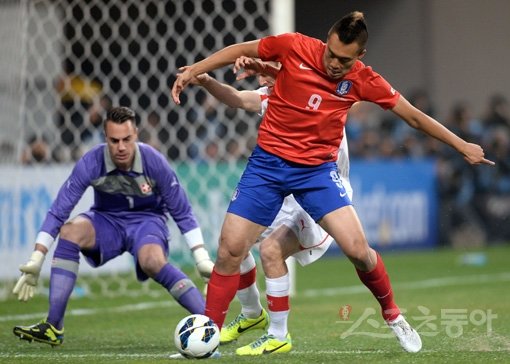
120,115
351,28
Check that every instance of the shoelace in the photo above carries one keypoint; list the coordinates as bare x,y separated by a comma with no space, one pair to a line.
236,321
405,327
261,340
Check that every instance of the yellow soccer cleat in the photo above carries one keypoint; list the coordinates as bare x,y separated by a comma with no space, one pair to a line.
242,324
43,332
266,344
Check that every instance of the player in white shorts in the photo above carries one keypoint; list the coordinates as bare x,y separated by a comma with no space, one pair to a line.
292,233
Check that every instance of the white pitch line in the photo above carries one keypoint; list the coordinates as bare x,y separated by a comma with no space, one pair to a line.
50,355
423,284
93,311
167,355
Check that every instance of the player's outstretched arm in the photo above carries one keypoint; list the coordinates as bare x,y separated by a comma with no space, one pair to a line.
217,60
26,285
226,94
473,153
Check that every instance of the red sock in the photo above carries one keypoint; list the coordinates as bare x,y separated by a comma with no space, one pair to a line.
247,279
378,282
221,290
275,304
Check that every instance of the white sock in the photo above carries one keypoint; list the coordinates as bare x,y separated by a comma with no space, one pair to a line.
250,301
278,287
249,297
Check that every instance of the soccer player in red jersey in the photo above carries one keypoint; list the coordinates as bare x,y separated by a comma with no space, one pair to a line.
292,233
296,151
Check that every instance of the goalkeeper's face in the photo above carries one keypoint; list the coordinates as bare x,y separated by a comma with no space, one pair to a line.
121,140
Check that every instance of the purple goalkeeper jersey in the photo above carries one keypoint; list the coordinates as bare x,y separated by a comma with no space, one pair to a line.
150,187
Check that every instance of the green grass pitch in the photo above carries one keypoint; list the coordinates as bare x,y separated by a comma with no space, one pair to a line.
460,307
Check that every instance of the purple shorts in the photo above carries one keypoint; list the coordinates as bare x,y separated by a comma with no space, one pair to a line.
121,232
268,179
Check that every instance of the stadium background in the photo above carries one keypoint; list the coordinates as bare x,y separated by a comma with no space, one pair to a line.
64,62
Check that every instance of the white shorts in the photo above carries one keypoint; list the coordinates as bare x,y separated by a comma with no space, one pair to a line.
313,240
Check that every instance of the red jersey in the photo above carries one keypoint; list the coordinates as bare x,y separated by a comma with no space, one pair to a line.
307,109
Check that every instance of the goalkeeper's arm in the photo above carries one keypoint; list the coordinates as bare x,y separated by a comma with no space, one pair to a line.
203,261
26,285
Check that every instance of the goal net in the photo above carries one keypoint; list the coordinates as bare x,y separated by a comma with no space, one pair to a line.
65,61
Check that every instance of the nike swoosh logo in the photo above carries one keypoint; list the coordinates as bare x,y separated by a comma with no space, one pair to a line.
343,194
303,67
272,350
241,329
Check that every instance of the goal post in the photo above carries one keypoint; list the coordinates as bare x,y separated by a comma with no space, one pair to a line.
280,23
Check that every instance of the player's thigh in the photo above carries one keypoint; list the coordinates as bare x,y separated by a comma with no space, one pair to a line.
279,245
237,236
148,243
345,227
150,258
109,238
275,249
79,230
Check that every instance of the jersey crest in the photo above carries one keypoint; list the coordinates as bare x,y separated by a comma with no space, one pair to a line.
343,87
145,188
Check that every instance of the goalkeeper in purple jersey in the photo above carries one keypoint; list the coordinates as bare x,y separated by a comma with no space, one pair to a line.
135,191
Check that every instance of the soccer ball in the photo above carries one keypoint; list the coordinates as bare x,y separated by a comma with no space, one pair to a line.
196,336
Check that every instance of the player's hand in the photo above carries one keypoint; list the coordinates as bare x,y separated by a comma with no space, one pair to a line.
27,283
203,263
249,67
474,154
182,80
199,80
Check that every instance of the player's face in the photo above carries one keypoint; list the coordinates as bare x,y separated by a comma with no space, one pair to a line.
266,81
339,58
121,141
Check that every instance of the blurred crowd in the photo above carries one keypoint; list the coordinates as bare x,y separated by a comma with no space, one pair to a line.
474,200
